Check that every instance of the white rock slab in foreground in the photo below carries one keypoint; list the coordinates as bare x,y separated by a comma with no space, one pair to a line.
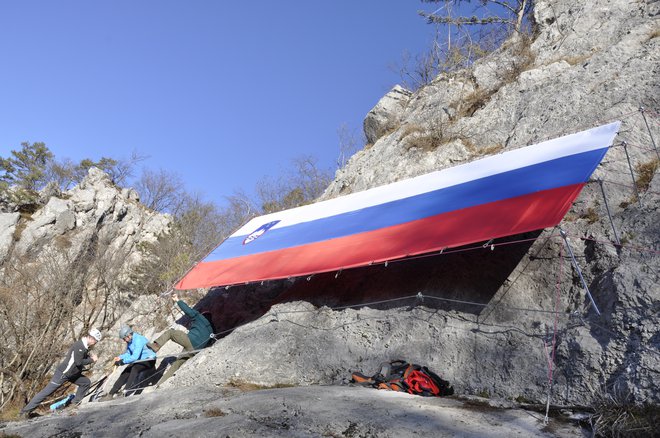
310,411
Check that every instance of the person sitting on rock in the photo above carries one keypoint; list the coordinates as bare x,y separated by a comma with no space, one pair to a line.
198,336
70,370
140,358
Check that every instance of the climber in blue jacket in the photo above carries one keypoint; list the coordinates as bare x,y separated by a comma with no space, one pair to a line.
140,358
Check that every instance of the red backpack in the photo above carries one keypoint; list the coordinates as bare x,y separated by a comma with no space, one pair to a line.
399,375
421,383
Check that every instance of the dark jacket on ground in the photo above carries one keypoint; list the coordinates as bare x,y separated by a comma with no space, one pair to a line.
200,330
75,360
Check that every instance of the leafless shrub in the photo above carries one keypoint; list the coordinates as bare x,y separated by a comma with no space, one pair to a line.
297,187
160,190
457,42
198,227
47,304
36,305
426,138
616,415
417,71
509,14
522,58
348,144
479,152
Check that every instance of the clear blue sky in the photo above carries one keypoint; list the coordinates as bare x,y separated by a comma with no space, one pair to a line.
221,92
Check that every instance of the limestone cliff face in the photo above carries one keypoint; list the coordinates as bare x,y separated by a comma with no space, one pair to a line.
94,209
85,240
587,63
490,329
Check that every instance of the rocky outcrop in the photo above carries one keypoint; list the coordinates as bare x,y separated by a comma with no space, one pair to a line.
8,223
386,115
585,65
571,76
486,320
86,240
94,208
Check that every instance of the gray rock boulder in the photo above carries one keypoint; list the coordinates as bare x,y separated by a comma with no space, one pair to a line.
8,222
386,115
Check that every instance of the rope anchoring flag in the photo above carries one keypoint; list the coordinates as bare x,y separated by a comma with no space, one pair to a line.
522,190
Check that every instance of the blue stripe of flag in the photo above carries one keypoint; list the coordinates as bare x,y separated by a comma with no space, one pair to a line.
551,174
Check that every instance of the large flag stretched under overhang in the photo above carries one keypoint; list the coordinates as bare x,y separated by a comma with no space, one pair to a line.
514,192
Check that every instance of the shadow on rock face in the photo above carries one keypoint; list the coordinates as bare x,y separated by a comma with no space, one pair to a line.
472,274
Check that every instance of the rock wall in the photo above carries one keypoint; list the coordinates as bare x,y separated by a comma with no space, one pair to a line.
94,222
94,207
485,321
585,65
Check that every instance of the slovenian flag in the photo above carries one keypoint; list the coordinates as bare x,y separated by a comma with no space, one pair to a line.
522,190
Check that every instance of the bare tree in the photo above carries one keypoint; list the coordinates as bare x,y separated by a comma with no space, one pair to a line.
45,305
49,299
459,40
299,186
63,173
198,227
119,170
160,190
510,13
348,144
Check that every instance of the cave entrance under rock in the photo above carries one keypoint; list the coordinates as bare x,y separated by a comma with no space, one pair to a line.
472,273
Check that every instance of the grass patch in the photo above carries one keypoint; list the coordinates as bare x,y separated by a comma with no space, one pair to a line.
427,138
410,129
522,400
591,215
631,200
479,406
492,149
10,412
214,412
249,386
484,393
479,152
25,217
575,60
617,416
62,242
645,173
473,102
627,238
